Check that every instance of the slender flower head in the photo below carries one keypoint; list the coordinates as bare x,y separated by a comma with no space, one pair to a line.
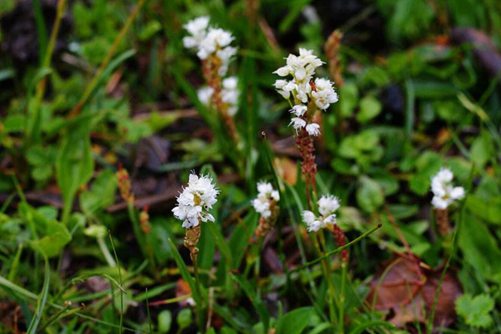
305,92
230,94
266,198
327,206
205,94
195,201
198,30
124,185
313,129
443,190
208,41
323,95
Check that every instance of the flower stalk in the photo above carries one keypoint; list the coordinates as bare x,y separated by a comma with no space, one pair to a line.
266,204
213,48
308,95
444,195
194,203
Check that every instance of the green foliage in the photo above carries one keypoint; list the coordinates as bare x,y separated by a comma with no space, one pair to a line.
74,164
370,195
475,310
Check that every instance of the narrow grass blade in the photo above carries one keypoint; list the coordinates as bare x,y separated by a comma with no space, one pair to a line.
42,300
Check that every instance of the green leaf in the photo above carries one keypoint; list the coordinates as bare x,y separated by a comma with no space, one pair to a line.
370,107
255,299
427,165
74,164
295,321
101,195
238,241
41,301
164,321
184,318
475,310
348,98
55,237
185,273
482,150
370,195
479,247
488,209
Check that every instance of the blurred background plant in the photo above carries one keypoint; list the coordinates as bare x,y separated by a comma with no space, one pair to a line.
87,86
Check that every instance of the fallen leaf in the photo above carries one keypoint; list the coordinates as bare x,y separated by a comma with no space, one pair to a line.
405,289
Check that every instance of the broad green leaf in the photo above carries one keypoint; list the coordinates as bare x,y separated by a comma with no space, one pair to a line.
100,195
74,164
164,321
370,195
482,150
479,246
184,318
348,98
427,165
370,107
475,310
295,321
488,209
54,236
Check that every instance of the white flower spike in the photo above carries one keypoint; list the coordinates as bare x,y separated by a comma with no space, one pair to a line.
265,198
443,190
303,88
327,206
195,201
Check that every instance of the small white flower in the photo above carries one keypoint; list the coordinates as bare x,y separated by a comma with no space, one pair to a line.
225,55
216,39
265,197
313,129
285,88
327,205
299,110
205,94
198,30
312,224
324,95
297,123
230,94
195,201
443,190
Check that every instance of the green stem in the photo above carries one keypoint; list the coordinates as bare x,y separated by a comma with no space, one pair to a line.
327,276
199,308
34,130
342,296
147,252
339,249
106,252
41,300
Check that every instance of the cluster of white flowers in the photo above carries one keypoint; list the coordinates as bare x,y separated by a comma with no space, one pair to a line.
207,41
195,201
327,206
265,197
303,89
229,94
443,190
